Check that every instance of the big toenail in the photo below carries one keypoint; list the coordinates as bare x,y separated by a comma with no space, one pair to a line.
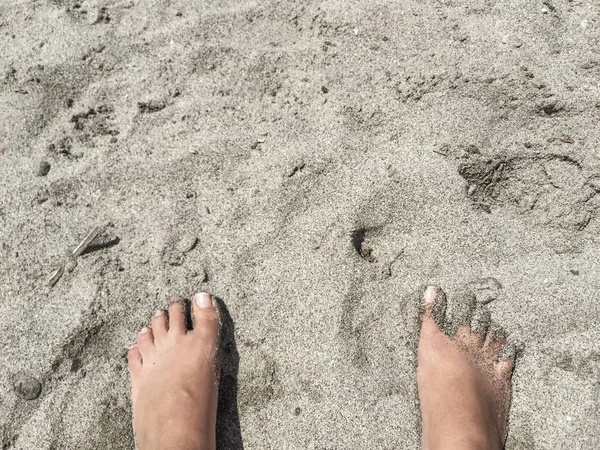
430,294
203,300
144,330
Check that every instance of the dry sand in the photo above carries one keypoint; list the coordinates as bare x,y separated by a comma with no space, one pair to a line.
328,157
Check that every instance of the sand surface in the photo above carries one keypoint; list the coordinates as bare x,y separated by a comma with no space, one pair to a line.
310,163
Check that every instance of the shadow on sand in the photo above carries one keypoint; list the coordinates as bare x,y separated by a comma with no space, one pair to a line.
229,434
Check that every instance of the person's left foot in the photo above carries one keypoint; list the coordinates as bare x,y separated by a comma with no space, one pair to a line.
174,384
464,389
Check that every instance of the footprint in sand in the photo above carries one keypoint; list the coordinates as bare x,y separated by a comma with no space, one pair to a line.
486,289
549,189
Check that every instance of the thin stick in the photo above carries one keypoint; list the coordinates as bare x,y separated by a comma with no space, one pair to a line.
56,276
87,241
58,273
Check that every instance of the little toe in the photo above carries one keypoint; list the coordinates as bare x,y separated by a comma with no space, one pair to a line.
145,342
506,360
159,326
177,318
134,360
205,317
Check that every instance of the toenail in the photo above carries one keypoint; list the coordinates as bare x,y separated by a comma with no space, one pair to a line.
203,300
430,294
158,312
144,330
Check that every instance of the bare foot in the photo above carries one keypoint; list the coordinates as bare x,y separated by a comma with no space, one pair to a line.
174,386
464,391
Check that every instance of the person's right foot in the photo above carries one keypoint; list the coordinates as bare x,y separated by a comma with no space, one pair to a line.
174,379
464,390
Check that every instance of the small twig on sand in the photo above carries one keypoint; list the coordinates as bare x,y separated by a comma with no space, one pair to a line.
87,241
58,273
56,276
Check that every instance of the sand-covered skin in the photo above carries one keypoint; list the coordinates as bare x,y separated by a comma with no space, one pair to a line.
328,157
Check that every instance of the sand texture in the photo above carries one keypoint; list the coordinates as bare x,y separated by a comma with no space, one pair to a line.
311,163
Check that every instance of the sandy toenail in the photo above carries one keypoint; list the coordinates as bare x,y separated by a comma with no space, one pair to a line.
144,330
430,294
203,300
158,312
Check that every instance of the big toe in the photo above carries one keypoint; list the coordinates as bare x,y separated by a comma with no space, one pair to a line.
434,302
206,317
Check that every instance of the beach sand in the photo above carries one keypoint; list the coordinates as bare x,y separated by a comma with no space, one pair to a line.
310,163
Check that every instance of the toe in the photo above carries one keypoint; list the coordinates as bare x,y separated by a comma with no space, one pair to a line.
466,337
460,308
480,323
433,341
492,347
145,342
206,317
159,326
506,362
134,360
505,368
496,336
177,318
